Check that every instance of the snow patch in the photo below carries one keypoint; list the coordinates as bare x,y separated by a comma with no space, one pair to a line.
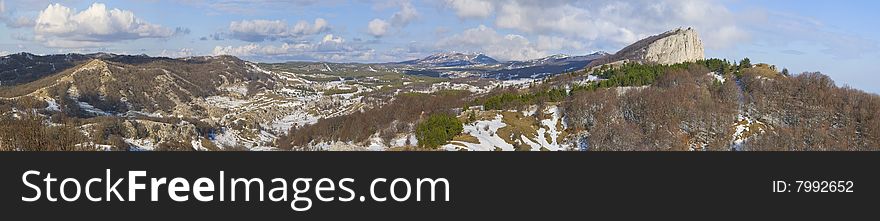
717,76
141,144
376,143
742,130
225,102
551,130
486,133
531,111
91,109
197,145
296,119
624,90
52,105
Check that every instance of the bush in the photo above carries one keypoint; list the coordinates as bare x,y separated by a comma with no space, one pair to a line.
512,99
361,125
437,130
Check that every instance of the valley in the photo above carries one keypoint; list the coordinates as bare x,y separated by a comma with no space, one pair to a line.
660,93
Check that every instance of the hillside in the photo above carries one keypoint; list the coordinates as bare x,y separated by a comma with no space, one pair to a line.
657,94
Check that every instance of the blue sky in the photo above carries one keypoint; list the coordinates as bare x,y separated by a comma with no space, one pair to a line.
838,38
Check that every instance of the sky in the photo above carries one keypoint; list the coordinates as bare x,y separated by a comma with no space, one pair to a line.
837,38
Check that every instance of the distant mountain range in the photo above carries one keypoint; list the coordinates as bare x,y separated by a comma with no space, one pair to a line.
456,65
453,60
674,46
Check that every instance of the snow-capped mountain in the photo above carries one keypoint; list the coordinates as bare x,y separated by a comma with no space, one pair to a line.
556,59
453,59
457,65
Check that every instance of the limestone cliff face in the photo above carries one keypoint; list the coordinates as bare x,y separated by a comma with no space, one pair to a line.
675,46
681,45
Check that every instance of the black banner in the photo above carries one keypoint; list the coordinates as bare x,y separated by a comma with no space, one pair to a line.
490,186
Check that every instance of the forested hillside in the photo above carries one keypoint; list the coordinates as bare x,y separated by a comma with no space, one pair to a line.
659,94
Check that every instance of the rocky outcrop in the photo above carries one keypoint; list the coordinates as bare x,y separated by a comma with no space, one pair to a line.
675,46
680,45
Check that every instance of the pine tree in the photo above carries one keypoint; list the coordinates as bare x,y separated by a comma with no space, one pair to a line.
745,63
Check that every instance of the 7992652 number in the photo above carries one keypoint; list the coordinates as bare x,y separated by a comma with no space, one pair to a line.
801,186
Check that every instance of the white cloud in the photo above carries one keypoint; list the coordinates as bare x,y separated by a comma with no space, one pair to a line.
60,26
503,47
377,27
304,28
608,22
244,50
568,20
555,43
612,24
257,30
183,52
2,6
471,8
329,38
400,19
262,30
406,14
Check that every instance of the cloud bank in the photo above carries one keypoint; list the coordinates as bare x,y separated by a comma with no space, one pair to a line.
60,26
263,30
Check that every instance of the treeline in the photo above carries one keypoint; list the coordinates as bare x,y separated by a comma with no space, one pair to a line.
630,74
513,99
389,120
637,74
683,110
809,113
26,132
25,129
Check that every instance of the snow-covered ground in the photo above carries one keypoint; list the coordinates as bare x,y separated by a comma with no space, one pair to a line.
624,90
296,119
486,133
91,109
742,127
52,105
550,128
197,145
225,102
519,82
376,143
140,144
717,76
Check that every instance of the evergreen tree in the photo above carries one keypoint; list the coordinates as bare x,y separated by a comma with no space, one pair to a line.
745,63
437,130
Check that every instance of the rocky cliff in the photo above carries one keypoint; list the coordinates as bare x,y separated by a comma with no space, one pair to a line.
680,45
675,46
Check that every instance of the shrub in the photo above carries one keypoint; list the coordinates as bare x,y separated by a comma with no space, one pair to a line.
437,130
